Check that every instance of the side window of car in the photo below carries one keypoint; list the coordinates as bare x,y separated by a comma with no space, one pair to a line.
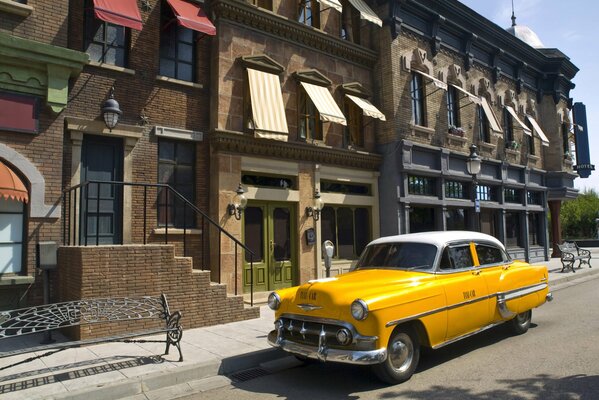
456,257
489,254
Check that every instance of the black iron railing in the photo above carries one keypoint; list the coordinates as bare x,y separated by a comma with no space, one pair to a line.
80,202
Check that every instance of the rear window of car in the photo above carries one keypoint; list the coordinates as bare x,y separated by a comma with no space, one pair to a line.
456,257
404,256
490,254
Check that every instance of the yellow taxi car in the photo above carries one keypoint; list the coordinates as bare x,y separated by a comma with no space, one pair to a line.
407,291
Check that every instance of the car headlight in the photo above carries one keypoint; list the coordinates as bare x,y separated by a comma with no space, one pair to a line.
359,309
274,301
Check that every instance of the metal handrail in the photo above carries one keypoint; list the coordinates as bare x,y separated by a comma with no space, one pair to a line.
83,190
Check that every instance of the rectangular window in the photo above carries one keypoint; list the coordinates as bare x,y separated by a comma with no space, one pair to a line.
422,219
512,195
309,13
310,126
423,186
104,42
512,229
176,161
456,190
348,228
11,235
508,128
350,23
566,139
417,93
19,113
345,188
534,229
486,193
177,48
453,107
274,182
484,131
456,220
535,198
353,130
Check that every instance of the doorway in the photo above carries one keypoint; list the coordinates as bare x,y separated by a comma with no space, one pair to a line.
101,204
269,231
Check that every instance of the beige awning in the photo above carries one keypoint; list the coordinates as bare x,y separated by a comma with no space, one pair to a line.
325,103
538,130
490,115
366,12
369,109
268,110
438,83
471,97
518,120
332,4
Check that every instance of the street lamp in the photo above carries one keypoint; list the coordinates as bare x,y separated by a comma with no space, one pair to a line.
111,111
473,165
316,208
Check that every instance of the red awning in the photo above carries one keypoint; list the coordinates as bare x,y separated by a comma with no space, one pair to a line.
119,12
191,16
11,186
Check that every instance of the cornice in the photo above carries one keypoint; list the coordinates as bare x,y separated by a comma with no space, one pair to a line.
251,17
235,142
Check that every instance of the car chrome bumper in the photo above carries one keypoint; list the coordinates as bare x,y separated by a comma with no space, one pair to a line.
324,353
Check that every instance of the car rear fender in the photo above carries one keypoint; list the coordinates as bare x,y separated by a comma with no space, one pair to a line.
522,287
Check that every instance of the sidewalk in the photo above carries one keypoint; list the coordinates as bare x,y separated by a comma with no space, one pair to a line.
136,372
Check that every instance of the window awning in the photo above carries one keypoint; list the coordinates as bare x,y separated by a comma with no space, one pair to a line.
518,120
366,12
325,103
268,110
369,109
120,12
332,4
490,115
191,16
474,99
438,83
11,186
537,128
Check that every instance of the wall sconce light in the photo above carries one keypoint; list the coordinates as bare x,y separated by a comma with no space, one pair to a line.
316,208
111,111
239,203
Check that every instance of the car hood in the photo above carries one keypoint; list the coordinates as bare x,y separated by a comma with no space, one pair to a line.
331,297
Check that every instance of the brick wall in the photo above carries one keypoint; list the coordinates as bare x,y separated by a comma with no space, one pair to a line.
134,271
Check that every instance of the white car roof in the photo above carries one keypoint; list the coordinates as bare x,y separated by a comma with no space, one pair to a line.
438,238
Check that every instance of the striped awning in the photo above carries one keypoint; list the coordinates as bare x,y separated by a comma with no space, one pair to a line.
490,114
268,110
518,120
325,103
366,12
438,83
367,107
471,97
537,128
11,186
331,4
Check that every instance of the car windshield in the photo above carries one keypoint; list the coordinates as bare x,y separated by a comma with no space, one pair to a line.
404,256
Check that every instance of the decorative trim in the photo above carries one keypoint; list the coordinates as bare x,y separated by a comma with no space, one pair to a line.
356,89
112,67
180,134
12,7
179,82
98,127
251,17
262,62
236,142
312,76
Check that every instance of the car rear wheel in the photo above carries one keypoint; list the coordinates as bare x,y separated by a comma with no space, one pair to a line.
403,354
521,322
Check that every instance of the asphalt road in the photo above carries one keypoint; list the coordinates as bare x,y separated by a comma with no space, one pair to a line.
558,358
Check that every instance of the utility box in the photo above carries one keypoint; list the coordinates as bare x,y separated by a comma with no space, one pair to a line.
47,255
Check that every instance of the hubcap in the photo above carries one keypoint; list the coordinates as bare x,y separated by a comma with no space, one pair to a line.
522,318
401,353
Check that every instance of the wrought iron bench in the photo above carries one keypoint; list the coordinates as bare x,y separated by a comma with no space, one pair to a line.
570,253
46,318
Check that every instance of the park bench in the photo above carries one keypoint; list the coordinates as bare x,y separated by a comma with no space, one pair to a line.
570,253
128,311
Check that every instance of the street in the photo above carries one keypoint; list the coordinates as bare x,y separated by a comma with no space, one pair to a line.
558,358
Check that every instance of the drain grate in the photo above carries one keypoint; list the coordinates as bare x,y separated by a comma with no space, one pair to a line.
249,374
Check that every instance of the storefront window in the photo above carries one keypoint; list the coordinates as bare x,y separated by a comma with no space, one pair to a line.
535,228
348,228
456,219
422,219
512,229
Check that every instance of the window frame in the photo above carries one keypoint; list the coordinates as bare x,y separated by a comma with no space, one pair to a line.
418,95
168,24
484,128
311,7
335,208
453,107
90,19
508,127
23,243
307,112
350,14
353,131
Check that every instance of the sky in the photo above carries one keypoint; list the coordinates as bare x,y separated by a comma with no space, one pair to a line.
570,26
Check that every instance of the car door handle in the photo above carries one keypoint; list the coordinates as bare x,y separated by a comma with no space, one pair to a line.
476,272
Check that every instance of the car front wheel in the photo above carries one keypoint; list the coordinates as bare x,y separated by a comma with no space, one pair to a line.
403,354
521,322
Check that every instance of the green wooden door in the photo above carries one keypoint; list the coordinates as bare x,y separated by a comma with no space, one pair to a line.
269,231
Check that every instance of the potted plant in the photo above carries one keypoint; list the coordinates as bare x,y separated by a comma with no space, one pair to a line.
512,145
456,130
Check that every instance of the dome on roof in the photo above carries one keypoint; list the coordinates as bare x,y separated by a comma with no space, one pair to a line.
527,35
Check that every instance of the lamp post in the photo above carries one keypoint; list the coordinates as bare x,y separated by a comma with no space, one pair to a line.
473,164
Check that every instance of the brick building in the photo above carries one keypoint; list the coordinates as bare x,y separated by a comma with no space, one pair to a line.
338,120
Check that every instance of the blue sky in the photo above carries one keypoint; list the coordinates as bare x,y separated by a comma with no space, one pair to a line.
571,27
